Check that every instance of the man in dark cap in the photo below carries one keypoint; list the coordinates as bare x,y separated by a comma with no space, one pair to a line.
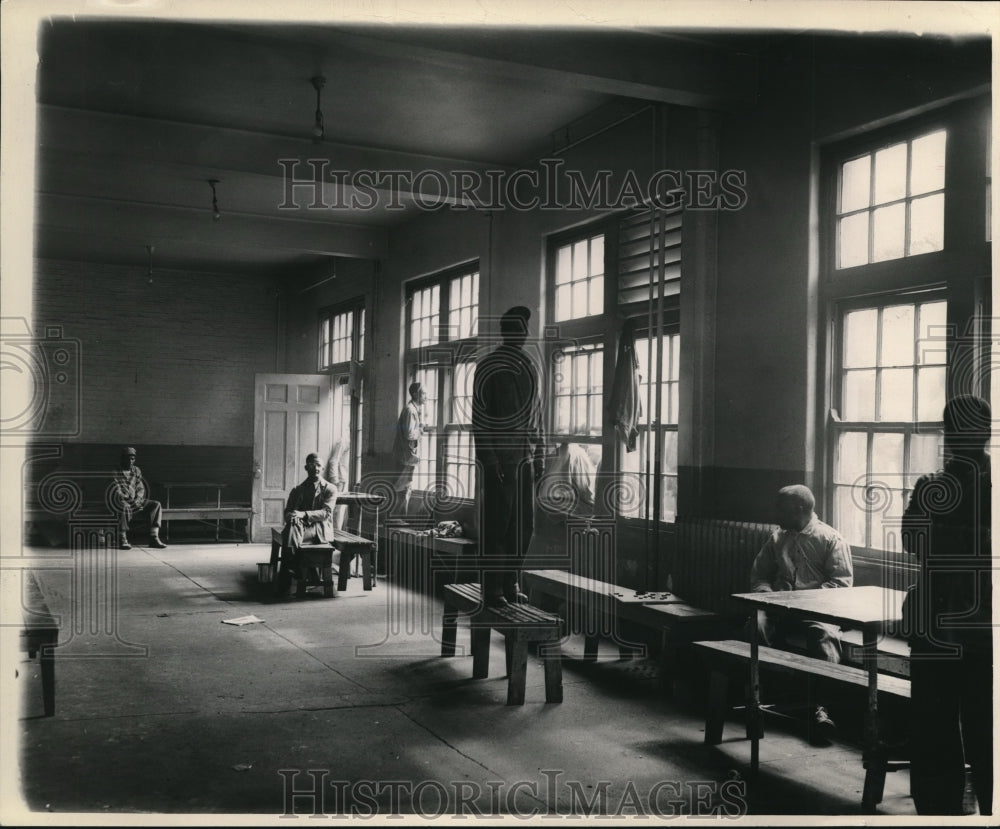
507,425
130,490
948,618
406,445
308,517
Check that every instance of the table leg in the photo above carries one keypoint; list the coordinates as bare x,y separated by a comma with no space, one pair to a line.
753,712
874,757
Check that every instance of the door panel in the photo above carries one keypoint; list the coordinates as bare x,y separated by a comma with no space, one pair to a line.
292,417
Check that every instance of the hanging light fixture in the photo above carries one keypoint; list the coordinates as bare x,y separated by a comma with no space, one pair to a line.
318,83
216,215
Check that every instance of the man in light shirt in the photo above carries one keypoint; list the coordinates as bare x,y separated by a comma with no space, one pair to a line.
804,554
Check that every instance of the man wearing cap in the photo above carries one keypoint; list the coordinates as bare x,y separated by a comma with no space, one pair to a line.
507,426
130,489
406,445
308,517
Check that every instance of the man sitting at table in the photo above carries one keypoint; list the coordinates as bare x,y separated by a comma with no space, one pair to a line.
804,554
308,519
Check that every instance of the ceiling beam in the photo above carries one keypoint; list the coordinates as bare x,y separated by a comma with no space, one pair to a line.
124,223
629,64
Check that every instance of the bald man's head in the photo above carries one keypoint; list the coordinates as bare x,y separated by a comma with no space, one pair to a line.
794,507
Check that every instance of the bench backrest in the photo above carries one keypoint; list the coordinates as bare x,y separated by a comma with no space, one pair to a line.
712,560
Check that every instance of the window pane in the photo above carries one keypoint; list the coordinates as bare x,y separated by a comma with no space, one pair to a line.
888,232
853,244
887,458
890,173
932,346
860,338
562,415
886,520
596,295
925,456
855,184
578,305
927,163
562,303
859,395
668,499
897,336
851,459
896,399
670,452
848,518
563,265
597,254
930,393
580,260
927,224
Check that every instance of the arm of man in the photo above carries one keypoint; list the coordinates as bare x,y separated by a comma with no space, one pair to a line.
411,425
482,405
325,511
292,505
839,566
764,567
916,524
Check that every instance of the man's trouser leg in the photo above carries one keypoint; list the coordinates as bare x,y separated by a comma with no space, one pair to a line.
822,641
499,514
937,763
520,529
153,513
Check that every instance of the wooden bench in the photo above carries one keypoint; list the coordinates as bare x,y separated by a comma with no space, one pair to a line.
594,607
519,624
319,556
351,545
726,658
892,654
40,635
226,512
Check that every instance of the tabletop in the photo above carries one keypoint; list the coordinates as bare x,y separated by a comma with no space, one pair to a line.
364,498
844,606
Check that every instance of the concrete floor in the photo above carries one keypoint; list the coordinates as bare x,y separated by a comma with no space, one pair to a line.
160,708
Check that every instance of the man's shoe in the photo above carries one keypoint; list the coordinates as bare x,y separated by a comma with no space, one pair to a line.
123,544
517,597
821,728
155,542
496,601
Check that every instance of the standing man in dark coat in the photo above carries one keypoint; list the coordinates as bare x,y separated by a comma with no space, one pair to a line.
308,517
507,425
948,618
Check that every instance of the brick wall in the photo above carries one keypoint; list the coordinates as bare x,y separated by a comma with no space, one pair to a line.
164,363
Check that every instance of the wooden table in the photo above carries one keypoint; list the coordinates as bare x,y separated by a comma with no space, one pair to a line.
364,499
868,609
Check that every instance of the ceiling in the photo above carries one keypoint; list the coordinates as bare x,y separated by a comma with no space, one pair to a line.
134,118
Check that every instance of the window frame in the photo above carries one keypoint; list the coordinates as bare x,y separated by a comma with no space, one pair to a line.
434,472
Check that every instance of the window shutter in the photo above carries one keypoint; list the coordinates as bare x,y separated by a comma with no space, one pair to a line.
645,240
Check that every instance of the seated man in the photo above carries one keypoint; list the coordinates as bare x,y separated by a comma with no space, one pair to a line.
805,554
130,489
308,518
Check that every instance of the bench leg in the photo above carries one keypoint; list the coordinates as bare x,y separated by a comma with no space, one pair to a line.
508,648
343,571
47,663
518,673
552,661
366,569
480,650
328,590
449,631
300,582
718,705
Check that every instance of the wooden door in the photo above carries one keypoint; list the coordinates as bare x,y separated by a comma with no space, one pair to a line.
292,417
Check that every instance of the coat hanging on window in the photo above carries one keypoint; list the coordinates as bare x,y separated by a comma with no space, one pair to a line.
625,402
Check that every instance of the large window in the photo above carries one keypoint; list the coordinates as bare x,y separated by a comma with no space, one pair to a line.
905,262
891,395
642,251
442,323
342,354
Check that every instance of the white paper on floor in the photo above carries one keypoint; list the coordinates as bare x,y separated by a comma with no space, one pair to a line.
242,620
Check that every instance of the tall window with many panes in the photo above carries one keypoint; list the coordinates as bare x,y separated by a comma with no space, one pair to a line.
342,354
442,327
903,242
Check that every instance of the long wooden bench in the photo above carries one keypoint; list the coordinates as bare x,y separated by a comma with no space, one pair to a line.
729,658
226,512
40,635
519,624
